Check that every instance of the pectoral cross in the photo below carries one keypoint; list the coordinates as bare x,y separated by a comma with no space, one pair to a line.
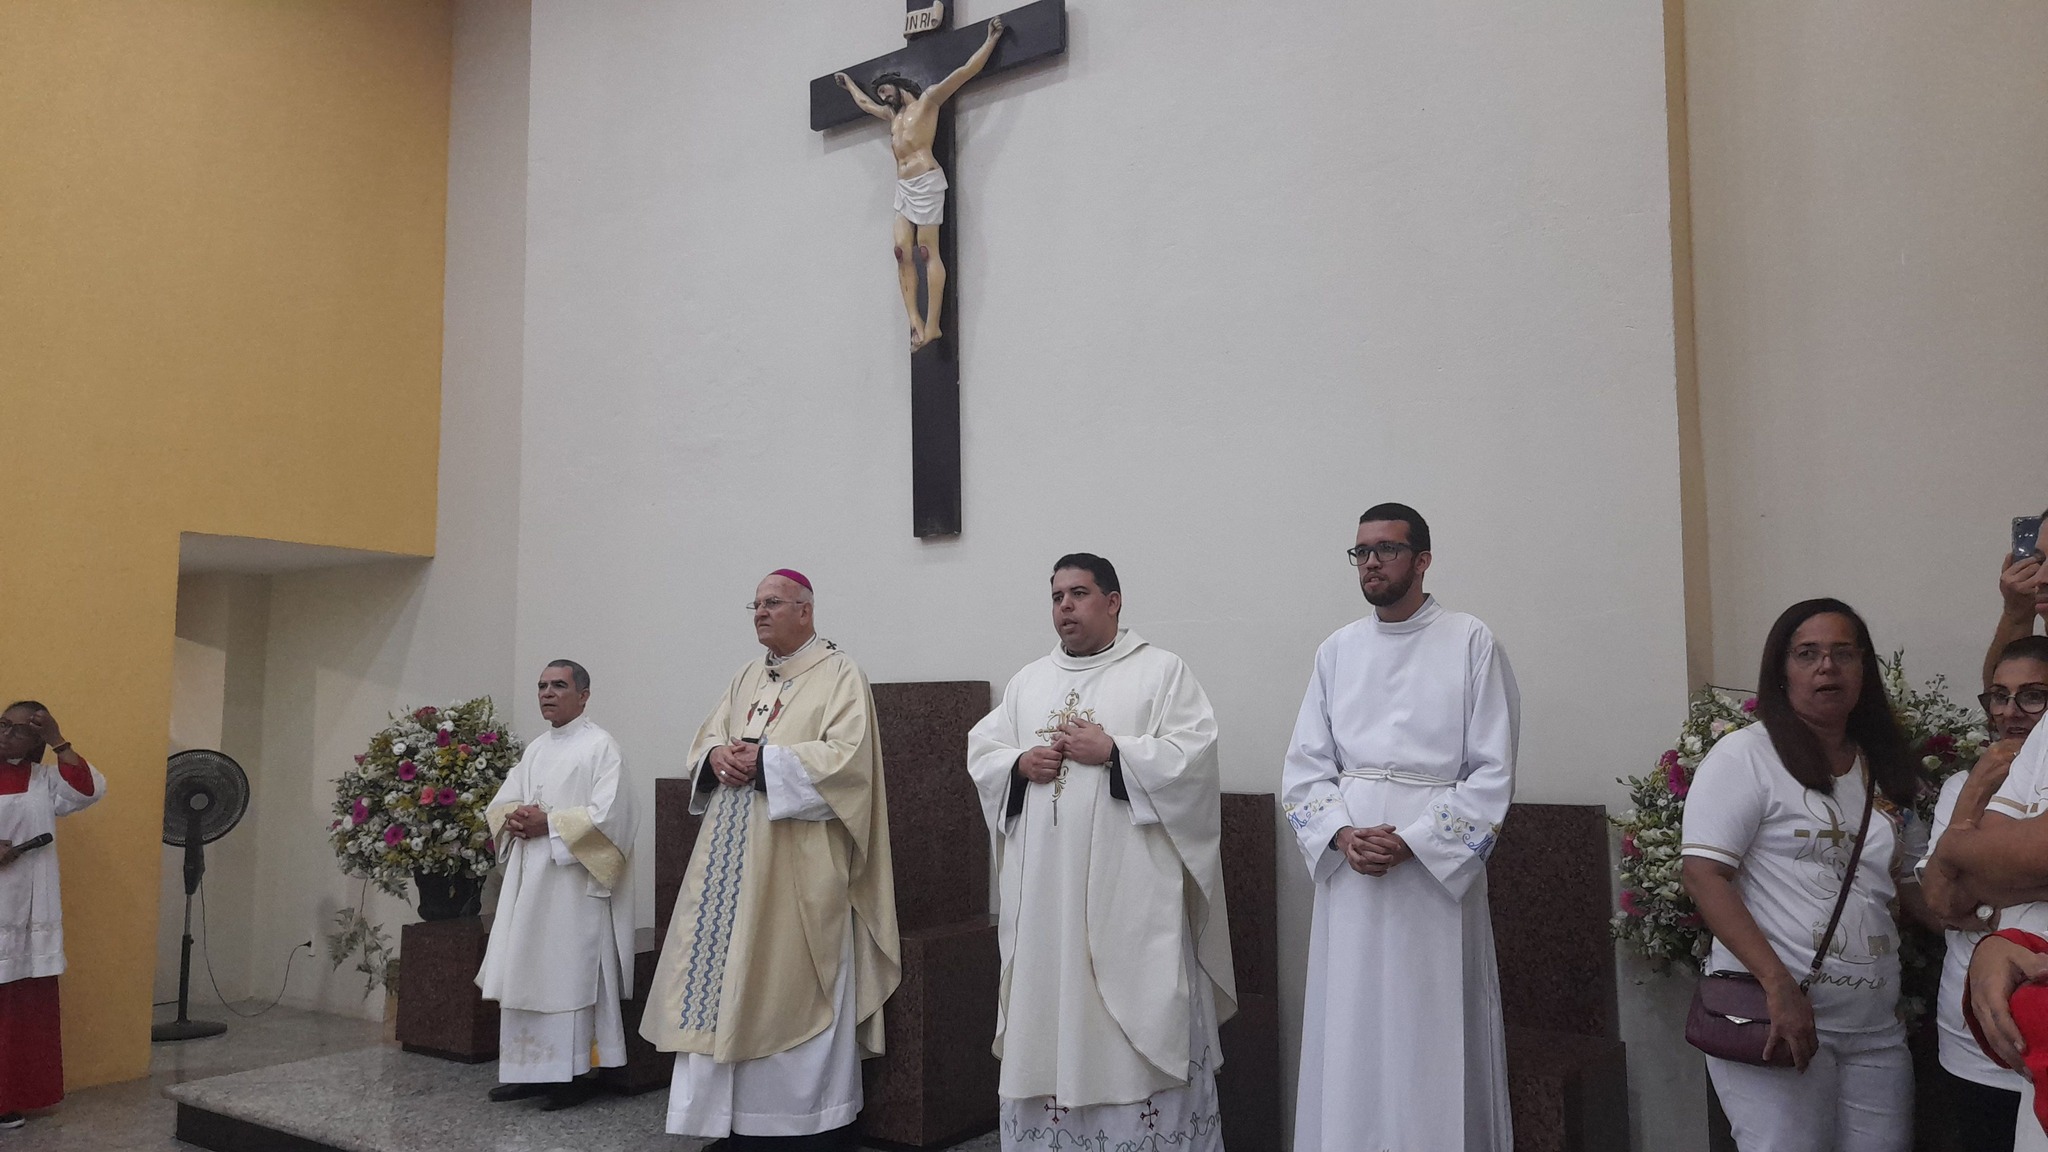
935,48
1055,720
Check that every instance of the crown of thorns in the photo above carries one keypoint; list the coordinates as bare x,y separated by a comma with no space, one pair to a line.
898,81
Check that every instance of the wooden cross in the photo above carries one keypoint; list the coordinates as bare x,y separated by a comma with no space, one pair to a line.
1032,33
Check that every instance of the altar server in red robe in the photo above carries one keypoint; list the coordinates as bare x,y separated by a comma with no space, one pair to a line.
32,795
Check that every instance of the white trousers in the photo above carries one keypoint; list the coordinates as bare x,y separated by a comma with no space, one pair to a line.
554,1047
813,1087
2029,1137
1856,1095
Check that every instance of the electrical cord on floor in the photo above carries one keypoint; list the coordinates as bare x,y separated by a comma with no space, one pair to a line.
206,948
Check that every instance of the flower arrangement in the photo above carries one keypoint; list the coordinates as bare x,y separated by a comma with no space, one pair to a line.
1656,918
414,803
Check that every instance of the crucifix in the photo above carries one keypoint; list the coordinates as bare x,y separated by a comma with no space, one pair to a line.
910,88
1058,719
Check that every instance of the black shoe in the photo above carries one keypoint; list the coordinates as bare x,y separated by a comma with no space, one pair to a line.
577,1091
508,1092
13,1120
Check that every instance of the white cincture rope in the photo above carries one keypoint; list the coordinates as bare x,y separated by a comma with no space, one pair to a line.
1397,776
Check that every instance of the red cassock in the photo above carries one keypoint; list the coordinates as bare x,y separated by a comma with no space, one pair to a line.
31,1031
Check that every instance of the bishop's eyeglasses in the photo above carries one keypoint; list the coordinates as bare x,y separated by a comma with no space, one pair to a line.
769,605
1388,551
2033,701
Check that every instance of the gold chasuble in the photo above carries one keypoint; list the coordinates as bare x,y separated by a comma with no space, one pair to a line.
754,946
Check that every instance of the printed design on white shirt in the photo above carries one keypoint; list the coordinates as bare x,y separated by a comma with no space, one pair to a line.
1827,846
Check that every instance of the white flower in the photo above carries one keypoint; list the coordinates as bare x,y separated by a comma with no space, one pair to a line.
447,725
398,747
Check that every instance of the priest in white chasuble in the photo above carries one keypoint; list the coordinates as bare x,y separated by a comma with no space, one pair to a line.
561,950
1397,780
783,943
1098,775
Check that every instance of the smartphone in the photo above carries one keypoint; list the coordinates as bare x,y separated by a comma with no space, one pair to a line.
2026,536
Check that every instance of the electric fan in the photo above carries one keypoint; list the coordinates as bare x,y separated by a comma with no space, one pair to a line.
205,795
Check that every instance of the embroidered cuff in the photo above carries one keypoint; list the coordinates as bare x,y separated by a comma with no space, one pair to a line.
590,846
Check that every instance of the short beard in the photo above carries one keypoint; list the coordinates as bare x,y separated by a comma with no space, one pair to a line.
1394,591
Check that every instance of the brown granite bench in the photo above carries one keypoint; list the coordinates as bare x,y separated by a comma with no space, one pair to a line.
1549,888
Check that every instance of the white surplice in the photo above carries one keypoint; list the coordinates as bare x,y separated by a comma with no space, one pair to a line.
560,944
1113,931
31,913
1412,724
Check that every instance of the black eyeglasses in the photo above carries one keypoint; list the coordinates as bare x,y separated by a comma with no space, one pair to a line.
1388,552
2032,701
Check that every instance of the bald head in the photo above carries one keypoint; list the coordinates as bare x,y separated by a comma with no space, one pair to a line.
782,614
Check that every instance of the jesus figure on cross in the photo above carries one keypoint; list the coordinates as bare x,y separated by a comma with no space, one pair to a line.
913,116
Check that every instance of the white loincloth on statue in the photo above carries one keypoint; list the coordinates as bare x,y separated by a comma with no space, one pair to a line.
1186,1119
921,199
554,1047
814,1087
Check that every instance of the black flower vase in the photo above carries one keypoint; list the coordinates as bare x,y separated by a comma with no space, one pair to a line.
448,897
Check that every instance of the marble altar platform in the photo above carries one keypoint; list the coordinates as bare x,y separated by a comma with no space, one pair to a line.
384,1099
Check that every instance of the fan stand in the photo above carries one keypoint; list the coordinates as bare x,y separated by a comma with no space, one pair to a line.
184,1027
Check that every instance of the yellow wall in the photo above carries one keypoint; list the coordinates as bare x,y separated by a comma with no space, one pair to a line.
220,311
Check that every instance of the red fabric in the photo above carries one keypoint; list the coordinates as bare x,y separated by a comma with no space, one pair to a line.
31,1045
2030,1013
14,778
77,775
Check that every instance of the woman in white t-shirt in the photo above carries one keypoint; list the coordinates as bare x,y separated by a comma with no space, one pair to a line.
1770,824
1983,1098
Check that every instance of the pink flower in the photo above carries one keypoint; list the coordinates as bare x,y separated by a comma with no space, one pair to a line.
407,770
442,738
1668,759
427,794
360,757
1693,920
1749,705
360,812
1628,846
1631,905
465,749
488,738
336,826
1674,778
425,714
393,835
447,797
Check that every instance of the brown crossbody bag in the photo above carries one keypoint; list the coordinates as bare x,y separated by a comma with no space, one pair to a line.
1730,1015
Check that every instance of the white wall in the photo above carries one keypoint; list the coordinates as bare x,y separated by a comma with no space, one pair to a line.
217,690
1871,269
1231,273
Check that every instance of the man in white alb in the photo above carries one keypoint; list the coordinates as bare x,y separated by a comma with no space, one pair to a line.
1098,774
1397,780
783,944
561,945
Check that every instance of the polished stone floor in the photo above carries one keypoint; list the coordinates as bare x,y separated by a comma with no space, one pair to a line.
333,1079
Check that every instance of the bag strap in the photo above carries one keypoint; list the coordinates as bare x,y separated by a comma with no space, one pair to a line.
1820,954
